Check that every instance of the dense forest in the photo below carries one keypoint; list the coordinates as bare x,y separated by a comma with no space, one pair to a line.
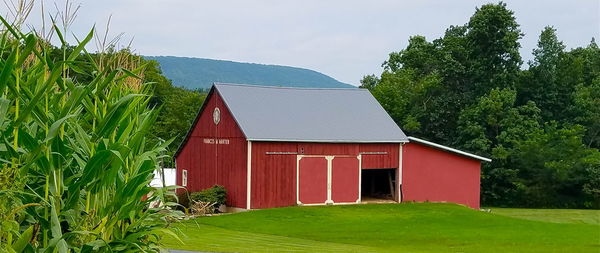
470,89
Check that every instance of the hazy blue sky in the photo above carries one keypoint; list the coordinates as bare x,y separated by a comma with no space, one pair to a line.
344,39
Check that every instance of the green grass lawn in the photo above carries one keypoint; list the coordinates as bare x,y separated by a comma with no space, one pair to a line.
407,227
575,216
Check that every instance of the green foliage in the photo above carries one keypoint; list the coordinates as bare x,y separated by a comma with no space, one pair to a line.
557,169
179,107
586,107
76,161
493,41
539,125
405,98
216,194
369,81
200,74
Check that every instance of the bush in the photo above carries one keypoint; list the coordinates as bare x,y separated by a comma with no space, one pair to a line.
216,194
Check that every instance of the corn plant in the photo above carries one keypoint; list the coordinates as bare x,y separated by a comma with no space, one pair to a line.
75,161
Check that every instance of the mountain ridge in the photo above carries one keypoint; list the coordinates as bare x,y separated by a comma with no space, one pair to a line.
201,73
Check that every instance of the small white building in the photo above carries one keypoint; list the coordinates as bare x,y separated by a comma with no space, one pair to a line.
170,174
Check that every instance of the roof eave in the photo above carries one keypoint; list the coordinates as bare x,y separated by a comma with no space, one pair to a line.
449,149
328,141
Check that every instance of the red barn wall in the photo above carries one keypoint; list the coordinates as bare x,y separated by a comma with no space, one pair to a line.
430,174
379,161
216,154
274,175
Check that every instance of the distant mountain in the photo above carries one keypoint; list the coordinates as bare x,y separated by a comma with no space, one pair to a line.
199,73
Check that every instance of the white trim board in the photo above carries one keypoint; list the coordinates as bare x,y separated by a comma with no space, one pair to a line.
399,172
329,141
449,149
249,175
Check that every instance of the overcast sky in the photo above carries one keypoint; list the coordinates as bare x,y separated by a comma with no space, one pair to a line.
345,39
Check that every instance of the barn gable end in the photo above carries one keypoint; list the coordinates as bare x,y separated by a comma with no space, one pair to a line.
214,152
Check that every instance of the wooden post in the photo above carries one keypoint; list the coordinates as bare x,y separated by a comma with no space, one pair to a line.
392,188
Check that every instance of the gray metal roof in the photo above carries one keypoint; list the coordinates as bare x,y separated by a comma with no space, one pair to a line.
309,114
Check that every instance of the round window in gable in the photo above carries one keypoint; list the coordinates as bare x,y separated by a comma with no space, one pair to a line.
217,115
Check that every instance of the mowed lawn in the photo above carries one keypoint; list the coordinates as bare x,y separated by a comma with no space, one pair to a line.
407,227
575,216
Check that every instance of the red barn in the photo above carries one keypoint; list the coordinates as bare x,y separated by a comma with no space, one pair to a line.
276,146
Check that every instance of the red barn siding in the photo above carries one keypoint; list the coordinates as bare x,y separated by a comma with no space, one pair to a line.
380,161
430,174
273,175
232,169
212,163
183,162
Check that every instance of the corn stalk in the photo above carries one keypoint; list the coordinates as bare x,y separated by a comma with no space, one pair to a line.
75,160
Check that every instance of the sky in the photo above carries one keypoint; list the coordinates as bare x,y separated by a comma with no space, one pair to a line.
345,39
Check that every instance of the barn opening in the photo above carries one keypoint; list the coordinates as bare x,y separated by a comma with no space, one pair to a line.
378,185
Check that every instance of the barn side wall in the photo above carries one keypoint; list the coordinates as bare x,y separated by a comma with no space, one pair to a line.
215,154
273,175
274,166
379,156
431,174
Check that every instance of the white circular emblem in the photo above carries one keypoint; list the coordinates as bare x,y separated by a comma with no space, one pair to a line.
217,115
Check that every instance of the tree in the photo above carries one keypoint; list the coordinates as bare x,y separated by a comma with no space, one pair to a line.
406,97
369,82
493,41
556,169
493,126
179,107
587,108
418,56
540,82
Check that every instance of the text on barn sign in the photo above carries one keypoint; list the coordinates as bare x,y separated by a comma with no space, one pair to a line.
216,141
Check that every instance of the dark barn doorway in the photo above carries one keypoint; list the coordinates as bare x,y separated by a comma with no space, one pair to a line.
378,185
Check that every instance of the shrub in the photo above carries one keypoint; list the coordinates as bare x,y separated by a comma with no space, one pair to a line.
216,194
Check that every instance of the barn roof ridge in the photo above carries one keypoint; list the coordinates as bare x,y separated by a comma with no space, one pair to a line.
288,87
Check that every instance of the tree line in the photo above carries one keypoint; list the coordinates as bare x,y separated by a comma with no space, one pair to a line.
469,89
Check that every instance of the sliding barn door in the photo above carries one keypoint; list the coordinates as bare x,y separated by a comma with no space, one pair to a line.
312,175
345,174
